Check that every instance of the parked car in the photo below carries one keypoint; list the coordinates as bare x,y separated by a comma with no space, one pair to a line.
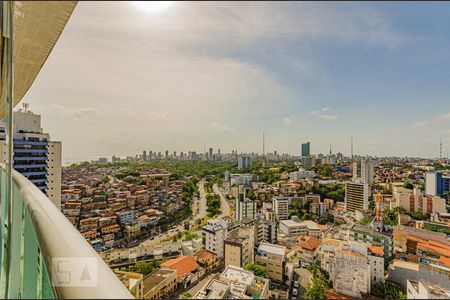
294,292
296,284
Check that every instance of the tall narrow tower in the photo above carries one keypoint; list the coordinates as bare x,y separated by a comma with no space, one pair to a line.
440,149
351,149
264,150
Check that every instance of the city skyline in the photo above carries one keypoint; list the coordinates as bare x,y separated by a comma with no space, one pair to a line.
192,75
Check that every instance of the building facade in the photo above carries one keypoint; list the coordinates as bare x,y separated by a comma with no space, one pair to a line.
356,196
34,155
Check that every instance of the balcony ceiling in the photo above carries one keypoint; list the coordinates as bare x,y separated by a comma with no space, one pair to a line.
37,27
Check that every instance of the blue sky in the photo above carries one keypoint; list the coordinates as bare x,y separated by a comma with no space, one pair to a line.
220,73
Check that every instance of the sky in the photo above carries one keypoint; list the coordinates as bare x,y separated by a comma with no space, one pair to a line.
126,77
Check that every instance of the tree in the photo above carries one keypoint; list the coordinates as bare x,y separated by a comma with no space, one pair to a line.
256,269
371,203
320,282
416,215
326,218
388,291
408,185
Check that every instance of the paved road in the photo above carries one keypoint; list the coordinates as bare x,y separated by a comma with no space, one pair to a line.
224,206
202,200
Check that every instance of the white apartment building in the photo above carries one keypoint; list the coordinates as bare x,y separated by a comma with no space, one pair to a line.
363,172
301,174
281,208
295,227
245,209
34,155
354,267
213,234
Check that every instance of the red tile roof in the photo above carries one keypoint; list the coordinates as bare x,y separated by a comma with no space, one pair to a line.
183,264
376,250
308,243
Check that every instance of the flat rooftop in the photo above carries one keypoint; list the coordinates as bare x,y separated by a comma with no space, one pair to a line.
272,248
155,278
237,274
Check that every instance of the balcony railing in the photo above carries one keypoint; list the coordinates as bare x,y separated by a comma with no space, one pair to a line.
42,254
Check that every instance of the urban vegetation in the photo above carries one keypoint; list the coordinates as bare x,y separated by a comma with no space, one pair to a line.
320,282
258,270
387,290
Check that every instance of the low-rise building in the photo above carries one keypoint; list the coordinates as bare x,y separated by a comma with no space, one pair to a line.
160,283
133,282
234,283
295,227
307,248
425,290
188,270
207,259
273,259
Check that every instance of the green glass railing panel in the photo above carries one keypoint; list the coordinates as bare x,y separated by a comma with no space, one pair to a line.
31,265
47,288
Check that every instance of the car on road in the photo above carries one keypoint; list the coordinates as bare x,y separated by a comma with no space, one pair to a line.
294,292
296,284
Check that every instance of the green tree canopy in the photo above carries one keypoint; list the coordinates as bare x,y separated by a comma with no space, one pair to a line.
256,269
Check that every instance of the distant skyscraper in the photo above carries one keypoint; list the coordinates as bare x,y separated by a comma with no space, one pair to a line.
144,155
306,151
210,154
35,156
244,161
166,155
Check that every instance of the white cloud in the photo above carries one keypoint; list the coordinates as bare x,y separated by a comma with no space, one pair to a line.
288,120
436,119
323,116
78,113
218,126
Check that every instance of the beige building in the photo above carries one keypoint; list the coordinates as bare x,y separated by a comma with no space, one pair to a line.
295,227
238,248
356,196
415,201
160,283
133,282
273,259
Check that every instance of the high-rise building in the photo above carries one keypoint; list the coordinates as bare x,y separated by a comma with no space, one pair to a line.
144,155
244,161
210,154
363,171
356,196
436,183
166,154
306,151
213,235
34,155
245,208
239,245
281,208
